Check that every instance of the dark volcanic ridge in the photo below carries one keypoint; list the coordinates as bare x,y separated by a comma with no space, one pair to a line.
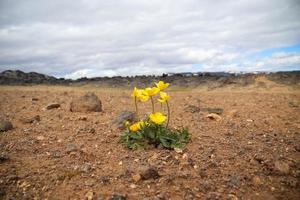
210,79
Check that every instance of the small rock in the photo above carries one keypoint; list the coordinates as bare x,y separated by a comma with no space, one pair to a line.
126,115
40,138
118,197
104,179
149,173
214,116
30,120
5,126
256,181
82,118
234,181
52,106
86,168
282,167
3,157
217,111
86,103
177,150
34,99
233,113
192,109
133,186
71,147
297,148
89,195
136,177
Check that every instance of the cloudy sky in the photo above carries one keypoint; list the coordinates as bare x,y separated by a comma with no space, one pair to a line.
68,38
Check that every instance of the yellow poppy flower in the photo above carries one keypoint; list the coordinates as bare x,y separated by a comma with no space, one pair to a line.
151,91
163,97
157,118
162,85
136,92
137,126
143,98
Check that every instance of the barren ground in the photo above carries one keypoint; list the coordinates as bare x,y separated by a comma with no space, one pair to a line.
251,153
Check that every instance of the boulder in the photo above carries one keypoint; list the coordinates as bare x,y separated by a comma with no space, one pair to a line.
86,103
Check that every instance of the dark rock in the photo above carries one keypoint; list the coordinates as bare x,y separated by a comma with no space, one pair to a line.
118,197
297,148
34,99
30,119
149,173
192,109
5,125
218,111
124,116
87,103
234,181
71,147
52,106
282,167
3,157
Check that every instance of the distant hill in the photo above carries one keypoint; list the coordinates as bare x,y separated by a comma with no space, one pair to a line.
209,79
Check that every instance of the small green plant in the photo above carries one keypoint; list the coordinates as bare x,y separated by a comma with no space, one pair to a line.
155,129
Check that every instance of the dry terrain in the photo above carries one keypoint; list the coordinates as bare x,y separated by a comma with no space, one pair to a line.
251,152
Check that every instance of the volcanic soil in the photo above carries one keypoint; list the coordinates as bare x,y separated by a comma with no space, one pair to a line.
251,151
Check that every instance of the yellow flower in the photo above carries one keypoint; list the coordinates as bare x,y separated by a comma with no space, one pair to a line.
163,97
157,118
143,98
162,85
134,127
126,123
136,92
151,91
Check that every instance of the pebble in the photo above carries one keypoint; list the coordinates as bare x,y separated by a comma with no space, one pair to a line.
52,106
5,126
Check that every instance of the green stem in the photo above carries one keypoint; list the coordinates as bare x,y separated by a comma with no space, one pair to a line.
136,107
169,114
152,102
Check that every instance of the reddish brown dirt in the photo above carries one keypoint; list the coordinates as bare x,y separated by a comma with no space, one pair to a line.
251,153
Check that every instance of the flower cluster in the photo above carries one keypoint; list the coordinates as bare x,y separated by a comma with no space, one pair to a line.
154,129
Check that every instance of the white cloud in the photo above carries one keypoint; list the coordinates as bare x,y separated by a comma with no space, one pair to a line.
125,37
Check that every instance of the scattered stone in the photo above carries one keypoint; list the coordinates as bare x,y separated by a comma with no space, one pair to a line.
136,177
52,106
217,111
5,125
233,113
282,167
297,148
34,99
90,183
192,109
89,195
104,179
213,116
133,186
40,138
30,120
82,118
71,147
149,173
257,181
3,157
87,103
234,181
177,150
126,115
118,197
86,168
